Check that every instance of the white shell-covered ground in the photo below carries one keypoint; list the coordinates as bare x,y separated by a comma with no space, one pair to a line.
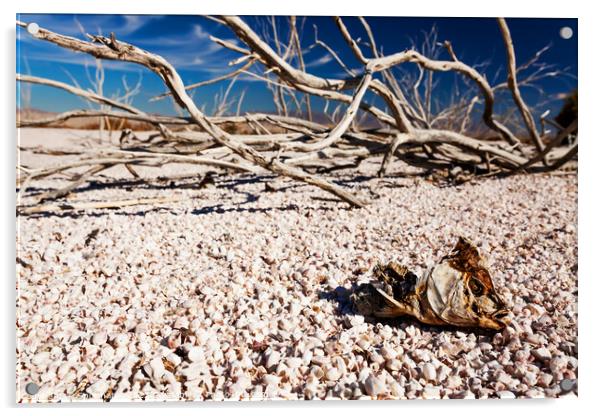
242,293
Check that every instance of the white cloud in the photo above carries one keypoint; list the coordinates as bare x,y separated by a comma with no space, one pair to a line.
324,59
133,23
80,59
199,32
191,49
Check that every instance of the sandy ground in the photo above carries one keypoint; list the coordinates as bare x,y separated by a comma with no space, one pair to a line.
242,293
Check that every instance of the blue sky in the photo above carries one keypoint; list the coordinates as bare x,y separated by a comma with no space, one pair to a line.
184,41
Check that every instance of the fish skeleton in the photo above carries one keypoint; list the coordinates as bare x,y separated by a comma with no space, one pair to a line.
457,291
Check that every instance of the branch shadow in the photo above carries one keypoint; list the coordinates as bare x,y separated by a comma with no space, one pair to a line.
94,214
206,210
231,183
219,209
221,181
353,180
196,181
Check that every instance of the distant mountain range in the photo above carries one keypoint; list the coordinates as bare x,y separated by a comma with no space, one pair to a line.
82,123
93,123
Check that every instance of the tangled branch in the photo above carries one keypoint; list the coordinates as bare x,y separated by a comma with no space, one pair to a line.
288,145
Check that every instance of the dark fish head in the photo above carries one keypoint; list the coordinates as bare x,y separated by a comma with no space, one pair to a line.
485,304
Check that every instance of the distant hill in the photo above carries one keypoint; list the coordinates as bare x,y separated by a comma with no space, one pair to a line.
93,123
82,123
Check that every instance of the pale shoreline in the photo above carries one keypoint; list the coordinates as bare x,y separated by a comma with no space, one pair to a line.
261,281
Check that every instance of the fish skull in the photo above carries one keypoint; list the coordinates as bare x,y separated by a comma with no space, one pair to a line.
460,291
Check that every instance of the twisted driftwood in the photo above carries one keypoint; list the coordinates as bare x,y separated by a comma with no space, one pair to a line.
289,144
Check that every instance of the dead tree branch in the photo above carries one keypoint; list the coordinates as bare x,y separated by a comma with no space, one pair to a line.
513,85
419,130
110,48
